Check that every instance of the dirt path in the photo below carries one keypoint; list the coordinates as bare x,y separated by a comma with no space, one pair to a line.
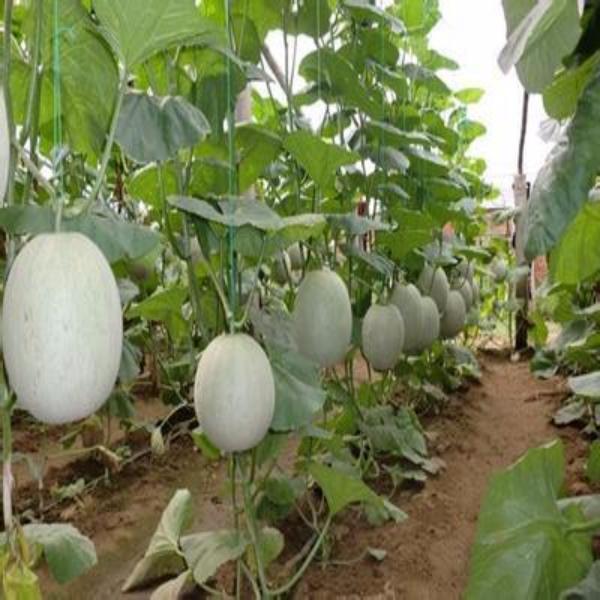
485,430
482,430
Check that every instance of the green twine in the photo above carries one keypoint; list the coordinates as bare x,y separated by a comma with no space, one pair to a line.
232,180
57,116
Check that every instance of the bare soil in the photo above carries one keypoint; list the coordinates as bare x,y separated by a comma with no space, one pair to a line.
482,430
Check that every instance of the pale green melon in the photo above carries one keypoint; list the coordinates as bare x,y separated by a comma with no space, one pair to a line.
499,269
322,318
455,315
466,270
62,328
234,393
383,336
430,331
434,283
466,291
296,256
407,299
282,267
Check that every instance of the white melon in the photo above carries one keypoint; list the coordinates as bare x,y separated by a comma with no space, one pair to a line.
62,328
466,291
234,393
431,323
296,256
383,336
407,299
455,315
322,318
499,269
282,268
434,283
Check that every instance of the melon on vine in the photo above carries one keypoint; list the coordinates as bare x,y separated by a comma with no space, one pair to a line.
62,328
455,315
234,393
296,256
4,146
322,318
282,268
466,270
466,291
434,283
430,331
499,269
407,299
383,336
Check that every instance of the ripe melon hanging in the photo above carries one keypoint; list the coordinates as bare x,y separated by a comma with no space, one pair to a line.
62,328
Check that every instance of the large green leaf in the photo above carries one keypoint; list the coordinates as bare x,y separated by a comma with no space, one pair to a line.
415,229
587,385
320,159
588,589
298,392
206,552
341,490
68,553
577,256
117,239
163,556
564,183
88,77
523,549
539,39
137,29
258,148
152,129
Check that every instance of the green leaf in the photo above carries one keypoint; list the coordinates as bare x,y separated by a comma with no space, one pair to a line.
588,588
587,385
320,159
163,557
470,95
206,552
592,468
20,583
152,129
298,391
560,99
311,18
174,588
116,239
576,258
564,183
258,148
341,490
426,78
522,549
68,553
539,39
137,29
88,78
352,224
363,10
414,230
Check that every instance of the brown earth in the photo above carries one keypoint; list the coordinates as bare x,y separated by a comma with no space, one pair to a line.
481,431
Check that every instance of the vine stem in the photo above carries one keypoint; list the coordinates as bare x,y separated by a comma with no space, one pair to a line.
7,476
587,527
109,142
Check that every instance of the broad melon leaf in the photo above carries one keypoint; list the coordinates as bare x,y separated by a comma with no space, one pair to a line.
137,29
117,239
163,556
341,490
206,552
587,385
523,549
311,18
363,10
298,392
539,39
174,588
320,159
68,553
152,129
577,256
258,148
415,229
564,183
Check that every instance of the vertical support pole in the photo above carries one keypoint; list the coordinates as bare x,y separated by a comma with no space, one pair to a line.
522,288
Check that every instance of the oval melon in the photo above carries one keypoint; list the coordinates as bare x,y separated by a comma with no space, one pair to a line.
234,393
383,336
4,146
466,291
466,270
499,269
62,328
282,267
455,315
430,331
434,283
322,318
296,256
407,299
